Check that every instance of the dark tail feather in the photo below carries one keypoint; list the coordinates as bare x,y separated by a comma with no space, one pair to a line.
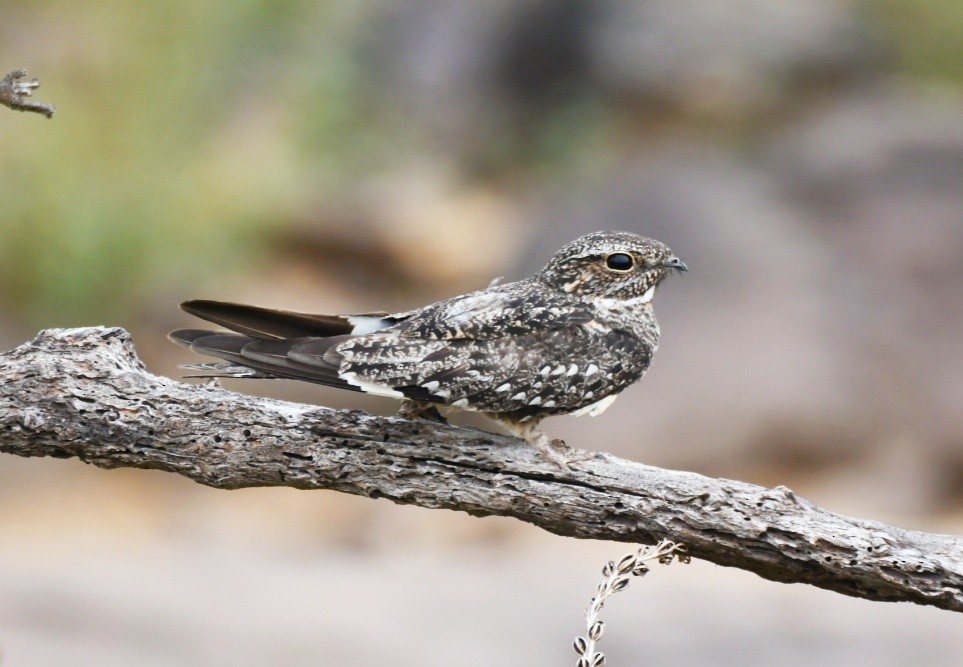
262,358
268,323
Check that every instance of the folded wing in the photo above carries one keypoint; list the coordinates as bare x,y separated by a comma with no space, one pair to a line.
501,351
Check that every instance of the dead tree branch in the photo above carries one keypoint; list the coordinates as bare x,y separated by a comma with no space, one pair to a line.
84,393
13,93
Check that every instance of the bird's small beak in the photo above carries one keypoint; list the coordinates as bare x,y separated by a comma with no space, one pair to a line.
674,262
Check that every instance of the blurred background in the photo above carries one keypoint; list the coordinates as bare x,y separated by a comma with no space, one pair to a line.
804,158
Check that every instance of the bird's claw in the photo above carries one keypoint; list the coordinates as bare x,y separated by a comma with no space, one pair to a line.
421,410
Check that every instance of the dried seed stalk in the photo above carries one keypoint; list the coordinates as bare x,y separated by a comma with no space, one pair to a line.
616,578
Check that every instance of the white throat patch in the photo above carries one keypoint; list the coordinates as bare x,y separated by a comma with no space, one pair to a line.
609,303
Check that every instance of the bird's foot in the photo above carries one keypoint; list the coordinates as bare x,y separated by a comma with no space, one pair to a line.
569,454
421,410
555,450
559,445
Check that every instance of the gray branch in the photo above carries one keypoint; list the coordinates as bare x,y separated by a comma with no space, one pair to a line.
84,393
14,94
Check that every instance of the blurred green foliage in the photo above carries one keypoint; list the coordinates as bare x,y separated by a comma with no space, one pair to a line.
183,130
927,35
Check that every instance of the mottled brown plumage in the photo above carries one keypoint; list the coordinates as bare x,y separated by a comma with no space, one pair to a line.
567,340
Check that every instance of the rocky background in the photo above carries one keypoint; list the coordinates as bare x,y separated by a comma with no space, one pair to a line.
805,158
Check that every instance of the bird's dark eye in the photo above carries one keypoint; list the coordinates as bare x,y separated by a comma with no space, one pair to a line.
619,261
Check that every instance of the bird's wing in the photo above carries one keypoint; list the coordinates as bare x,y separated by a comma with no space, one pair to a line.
269,323
512,309
516,352
548,371
257,357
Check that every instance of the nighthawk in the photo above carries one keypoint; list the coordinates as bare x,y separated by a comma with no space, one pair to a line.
564,341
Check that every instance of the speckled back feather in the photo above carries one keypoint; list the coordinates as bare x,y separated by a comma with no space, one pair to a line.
576,333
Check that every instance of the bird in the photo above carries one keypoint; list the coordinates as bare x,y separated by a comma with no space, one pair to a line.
566,340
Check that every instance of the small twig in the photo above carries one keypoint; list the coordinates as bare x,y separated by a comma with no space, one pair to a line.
13,93
617,577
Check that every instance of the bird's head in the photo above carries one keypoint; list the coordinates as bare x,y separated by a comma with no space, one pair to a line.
613,265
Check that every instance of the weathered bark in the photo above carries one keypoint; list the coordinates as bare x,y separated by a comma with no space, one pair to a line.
84,393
